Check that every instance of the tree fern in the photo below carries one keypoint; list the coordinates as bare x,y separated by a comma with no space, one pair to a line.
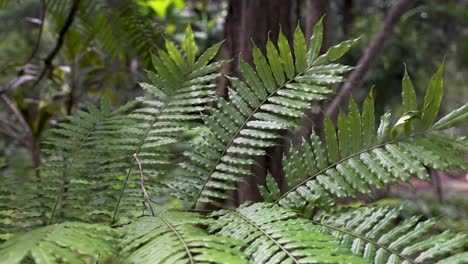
276,235
60,243
272,98
359,158
173,237
376,234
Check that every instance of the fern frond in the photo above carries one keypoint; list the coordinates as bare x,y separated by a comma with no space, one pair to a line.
276,235
180,89
376,234
272,98
73,155
114,27
173,237
60,243
359,158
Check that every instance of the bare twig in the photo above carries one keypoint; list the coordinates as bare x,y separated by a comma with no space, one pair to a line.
370,55
9,133
41,29
19,117
48,60
142,183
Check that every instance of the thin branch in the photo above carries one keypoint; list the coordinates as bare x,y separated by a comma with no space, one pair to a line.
5,122
9,133
142,183
370,55
48,60
8,130
19,117
41,29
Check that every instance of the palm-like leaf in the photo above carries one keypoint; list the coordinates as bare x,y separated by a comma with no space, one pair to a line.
276,235
172,237
60,243
375,234
272,98
359,159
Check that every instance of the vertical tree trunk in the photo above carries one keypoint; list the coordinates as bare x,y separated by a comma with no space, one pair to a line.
248,22
348,17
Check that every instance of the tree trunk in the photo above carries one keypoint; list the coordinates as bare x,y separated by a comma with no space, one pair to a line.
348,17
370,55
248,22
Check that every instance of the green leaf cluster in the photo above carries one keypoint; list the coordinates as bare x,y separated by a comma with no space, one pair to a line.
109,166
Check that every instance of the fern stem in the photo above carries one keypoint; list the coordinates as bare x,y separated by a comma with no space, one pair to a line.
267,235
61,39
132,162
365,239
180,238
343,160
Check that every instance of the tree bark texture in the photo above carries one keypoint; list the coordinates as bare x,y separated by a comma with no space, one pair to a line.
376,46
250,22
348,17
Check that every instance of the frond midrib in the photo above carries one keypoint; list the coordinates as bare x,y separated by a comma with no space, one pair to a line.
266,234
237,133
189,254
345,159
365,239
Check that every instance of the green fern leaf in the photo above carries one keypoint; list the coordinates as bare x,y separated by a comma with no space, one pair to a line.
356,166
456,117
300,50
173,237
315,42
272,98
179,91
433,98
408,95
61,243
72,155
270,192
376,235
275,235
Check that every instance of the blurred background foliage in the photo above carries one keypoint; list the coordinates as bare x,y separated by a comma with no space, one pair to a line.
108,47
